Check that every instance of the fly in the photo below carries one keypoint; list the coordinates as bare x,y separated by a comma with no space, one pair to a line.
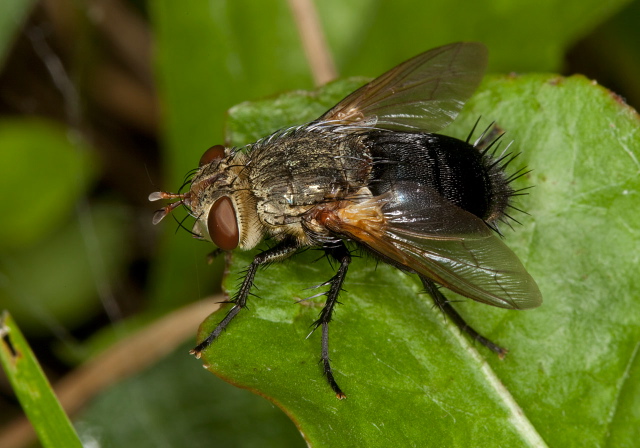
372,173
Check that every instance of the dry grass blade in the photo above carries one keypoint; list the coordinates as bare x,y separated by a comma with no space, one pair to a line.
313,41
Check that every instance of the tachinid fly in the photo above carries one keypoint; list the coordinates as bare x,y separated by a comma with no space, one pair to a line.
371,173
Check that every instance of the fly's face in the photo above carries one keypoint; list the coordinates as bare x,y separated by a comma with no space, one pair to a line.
220,201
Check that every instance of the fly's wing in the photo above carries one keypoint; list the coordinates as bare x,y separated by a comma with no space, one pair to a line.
423,94
414,227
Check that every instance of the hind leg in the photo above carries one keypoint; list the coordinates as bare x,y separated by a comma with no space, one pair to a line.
442,303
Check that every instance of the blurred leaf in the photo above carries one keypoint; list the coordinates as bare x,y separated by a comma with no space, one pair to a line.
410,378
33,390
46,170
370,36
12,14
194,411
59,281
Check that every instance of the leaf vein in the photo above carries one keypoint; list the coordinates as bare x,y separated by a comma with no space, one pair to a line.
518,418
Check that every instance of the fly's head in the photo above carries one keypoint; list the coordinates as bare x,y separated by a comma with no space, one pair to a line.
220,200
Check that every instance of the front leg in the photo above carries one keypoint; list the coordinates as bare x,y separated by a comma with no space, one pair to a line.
340,253
277,253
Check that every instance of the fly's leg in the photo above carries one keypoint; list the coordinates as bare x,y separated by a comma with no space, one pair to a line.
442,303
341,254
276,253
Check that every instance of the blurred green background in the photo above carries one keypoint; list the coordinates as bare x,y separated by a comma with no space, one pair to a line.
105,101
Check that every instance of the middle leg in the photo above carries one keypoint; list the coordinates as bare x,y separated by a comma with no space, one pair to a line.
339,252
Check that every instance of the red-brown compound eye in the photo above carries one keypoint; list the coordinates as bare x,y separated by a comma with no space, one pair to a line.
211,154
223,225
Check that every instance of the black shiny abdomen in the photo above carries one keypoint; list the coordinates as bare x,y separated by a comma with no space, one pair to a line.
454,168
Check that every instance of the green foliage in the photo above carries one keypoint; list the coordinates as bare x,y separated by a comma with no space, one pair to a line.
572,368
411,378
32,388
526,35
214,54
46,171
69,266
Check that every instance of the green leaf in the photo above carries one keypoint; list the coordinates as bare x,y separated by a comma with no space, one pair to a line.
57,281
33,390
46,168
253,120
368,36
413,379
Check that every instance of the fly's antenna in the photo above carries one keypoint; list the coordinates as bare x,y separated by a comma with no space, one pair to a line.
158,195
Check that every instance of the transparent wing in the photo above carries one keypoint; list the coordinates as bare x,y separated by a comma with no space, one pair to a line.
424,93
421,231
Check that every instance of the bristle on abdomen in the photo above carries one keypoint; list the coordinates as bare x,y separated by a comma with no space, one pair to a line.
496,162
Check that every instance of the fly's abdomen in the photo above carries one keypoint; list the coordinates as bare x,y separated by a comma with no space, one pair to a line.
454,168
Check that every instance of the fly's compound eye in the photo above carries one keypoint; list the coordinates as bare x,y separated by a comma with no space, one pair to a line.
222,224
211,154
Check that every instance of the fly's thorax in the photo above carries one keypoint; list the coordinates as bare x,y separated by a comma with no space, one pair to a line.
296,169
224,206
